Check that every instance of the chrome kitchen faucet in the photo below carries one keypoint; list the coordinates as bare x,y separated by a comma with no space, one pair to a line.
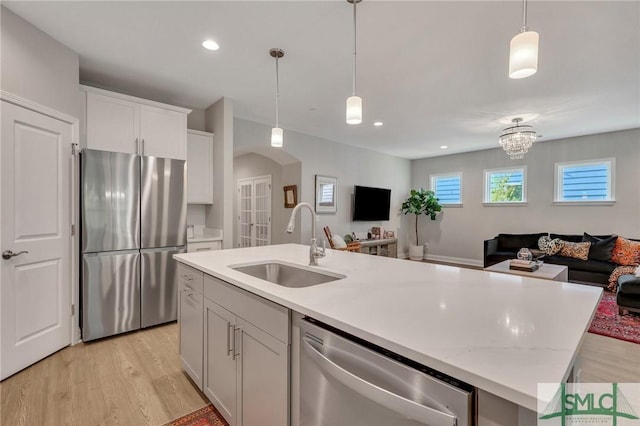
314,252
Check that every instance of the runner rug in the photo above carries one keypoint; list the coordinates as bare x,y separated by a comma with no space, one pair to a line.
608,322
205,416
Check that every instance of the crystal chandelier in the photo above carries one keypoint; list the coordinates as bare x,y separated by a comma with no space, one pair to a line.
516,140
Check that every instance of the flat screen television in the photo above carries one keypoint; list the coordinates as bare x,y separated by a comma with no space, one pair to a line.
371,204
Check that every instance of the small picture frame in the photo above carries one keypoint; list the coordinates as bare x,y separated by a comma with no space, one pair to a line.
290,196
326,194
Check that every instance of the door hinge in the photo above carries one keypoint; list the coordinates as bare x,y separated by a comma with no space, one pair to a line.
73,310
73,229
74,149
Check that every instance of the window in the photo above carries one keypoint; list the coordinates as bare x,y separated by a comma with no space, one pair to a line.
585,181
505,186
448,188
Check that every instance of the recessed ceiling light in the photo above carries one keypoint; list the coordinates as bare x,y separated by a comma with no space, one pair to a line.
443,147
210,45
378,123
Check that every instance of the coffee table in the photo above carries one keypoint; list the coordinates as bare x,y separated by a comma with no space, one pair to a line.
547,271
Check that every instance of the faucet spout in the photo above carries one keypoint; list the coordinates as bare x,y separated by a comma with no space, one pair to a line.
314,252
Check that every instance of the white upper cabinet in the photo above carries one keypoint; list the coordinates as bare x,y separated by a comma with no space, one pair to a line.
199,167
122,123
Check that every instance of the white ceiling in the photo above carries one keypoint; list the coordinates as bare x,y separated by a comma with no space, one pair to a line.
435,72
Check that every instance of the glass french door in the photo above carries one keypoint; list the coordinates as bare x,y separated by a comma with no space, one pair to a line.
254,211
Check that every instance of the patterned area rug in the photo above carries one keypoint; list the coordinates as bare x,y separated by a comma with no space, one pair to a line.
607,322
205,416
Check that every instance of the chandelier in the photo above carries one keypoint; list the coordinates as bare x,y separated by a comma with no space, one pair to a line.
516,140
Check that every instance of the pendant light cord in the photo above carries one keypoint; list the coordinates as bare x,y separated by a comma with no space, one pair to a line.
354,48
277,92
524,16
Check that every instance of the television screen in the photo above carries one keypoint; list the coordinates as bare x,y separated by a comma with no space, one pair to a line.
370,204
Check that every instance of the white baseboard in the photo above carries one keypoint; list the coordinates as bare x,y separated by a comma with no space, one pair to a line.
455,260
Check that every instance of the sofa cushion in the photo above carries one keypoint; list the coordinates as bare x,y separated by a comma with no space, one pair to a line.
577,238
629,284
626,252
582,265
549,246
575,250
514,242
600,248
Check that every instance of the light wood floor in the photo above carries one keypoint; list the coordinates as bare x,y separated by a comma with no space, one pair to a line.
136,379
130,380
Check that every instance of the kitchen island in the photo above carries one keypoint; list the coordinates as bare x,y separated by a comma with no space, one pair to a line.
501,333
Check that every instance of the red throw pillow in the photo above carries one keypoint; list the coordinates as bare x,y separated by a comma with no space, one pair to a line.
626,252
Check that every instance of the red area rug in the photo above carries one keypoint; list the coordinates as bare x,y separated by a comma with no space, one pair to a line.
607,322
205,416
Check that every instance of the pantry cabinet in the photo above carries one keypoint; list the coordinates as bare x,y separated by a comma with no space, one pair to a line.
122,123
246,350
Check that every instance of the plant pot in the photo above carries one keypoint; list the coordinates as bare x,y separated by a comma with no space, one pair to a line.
416,252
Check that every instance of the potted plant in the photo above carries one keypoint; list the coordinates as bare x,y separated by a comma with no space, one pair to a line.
420,202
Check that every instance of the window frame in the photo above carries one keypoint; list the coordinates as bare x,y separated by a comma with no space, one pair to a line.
558,181
432,186
486,200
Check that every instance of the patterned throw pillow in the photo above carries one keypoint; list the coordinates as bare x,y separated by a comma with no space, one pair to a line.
549,246
575,250
613,278
626,252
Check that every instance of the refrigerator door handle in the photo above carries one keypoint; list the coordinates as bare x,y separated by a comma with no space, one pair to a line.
137,146
142,147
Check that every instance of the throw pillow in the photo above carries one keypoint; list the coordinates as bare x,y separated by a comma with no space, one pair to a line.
550,246
338,241
626,252
601,248
619,271
575,250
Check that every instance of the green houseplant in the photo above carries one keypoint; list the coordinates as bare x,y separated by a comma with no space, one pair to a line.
420,202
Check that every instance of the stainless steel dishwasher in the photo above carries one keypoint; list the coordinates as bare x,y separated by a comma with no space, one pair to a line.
344,381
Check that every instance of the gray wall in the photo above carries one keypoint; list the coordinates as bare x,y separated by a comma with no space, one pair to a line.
253,165
37,67
196,120
351,165
458,232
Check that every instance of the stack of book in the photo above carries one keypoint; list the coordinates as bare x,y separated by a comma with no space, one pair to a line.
524,265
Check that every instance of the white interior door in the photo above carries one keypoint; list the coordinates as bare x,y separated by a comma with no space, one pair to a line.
35,224
254,211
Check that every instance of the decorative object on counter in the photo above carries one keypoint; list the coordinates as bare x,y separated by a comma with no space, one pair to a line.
336,242
326,194
527,265
608,322
348,238
525,254
290,196
376,232
354,102
523,52
389,234
516,140
420,202
205,416
276,132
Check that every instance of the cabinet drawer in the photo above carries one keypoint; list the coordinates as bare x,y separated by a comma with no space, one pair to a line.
190,277
267,316
204,246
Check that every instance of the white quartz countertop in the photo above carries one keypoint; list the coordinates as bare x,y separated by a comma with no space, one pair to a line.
501,333
206,235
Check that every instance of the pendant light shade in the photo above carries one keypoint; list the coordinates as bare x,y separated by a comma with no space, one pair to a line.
523,53
354,110
523,57
276,132
276,137
354,102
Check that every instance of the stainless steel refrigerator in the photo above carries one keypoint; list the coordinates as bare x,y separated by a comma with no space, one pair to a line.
133,211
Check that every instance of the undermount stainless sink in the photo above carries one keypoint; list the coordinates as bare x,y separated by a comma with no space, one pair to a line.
286,275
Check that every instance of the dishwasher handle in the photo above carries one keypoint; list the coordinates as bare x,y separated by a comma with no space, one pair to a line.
389,400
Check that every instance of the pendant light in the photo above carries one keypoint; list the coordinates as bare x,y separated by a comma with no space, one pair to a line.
516,140
276,132
354,103
523,55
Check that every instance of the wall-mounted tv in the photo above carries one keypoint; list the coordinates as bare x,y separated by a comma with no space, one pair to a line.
371,204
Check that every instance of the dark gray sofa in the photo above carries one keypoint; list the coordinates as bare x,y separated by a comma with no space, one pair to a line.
506,246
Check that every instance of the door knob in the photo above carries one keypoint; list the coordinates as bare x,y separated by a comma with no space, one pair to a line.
8,254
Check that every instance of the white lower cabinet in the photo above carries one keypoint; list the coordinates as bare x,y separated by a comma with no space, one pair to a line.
204,246
246,368
190,320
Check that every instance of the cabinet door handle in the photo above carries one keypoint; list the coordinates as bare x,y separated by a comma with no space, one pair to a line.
235,343
229,327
